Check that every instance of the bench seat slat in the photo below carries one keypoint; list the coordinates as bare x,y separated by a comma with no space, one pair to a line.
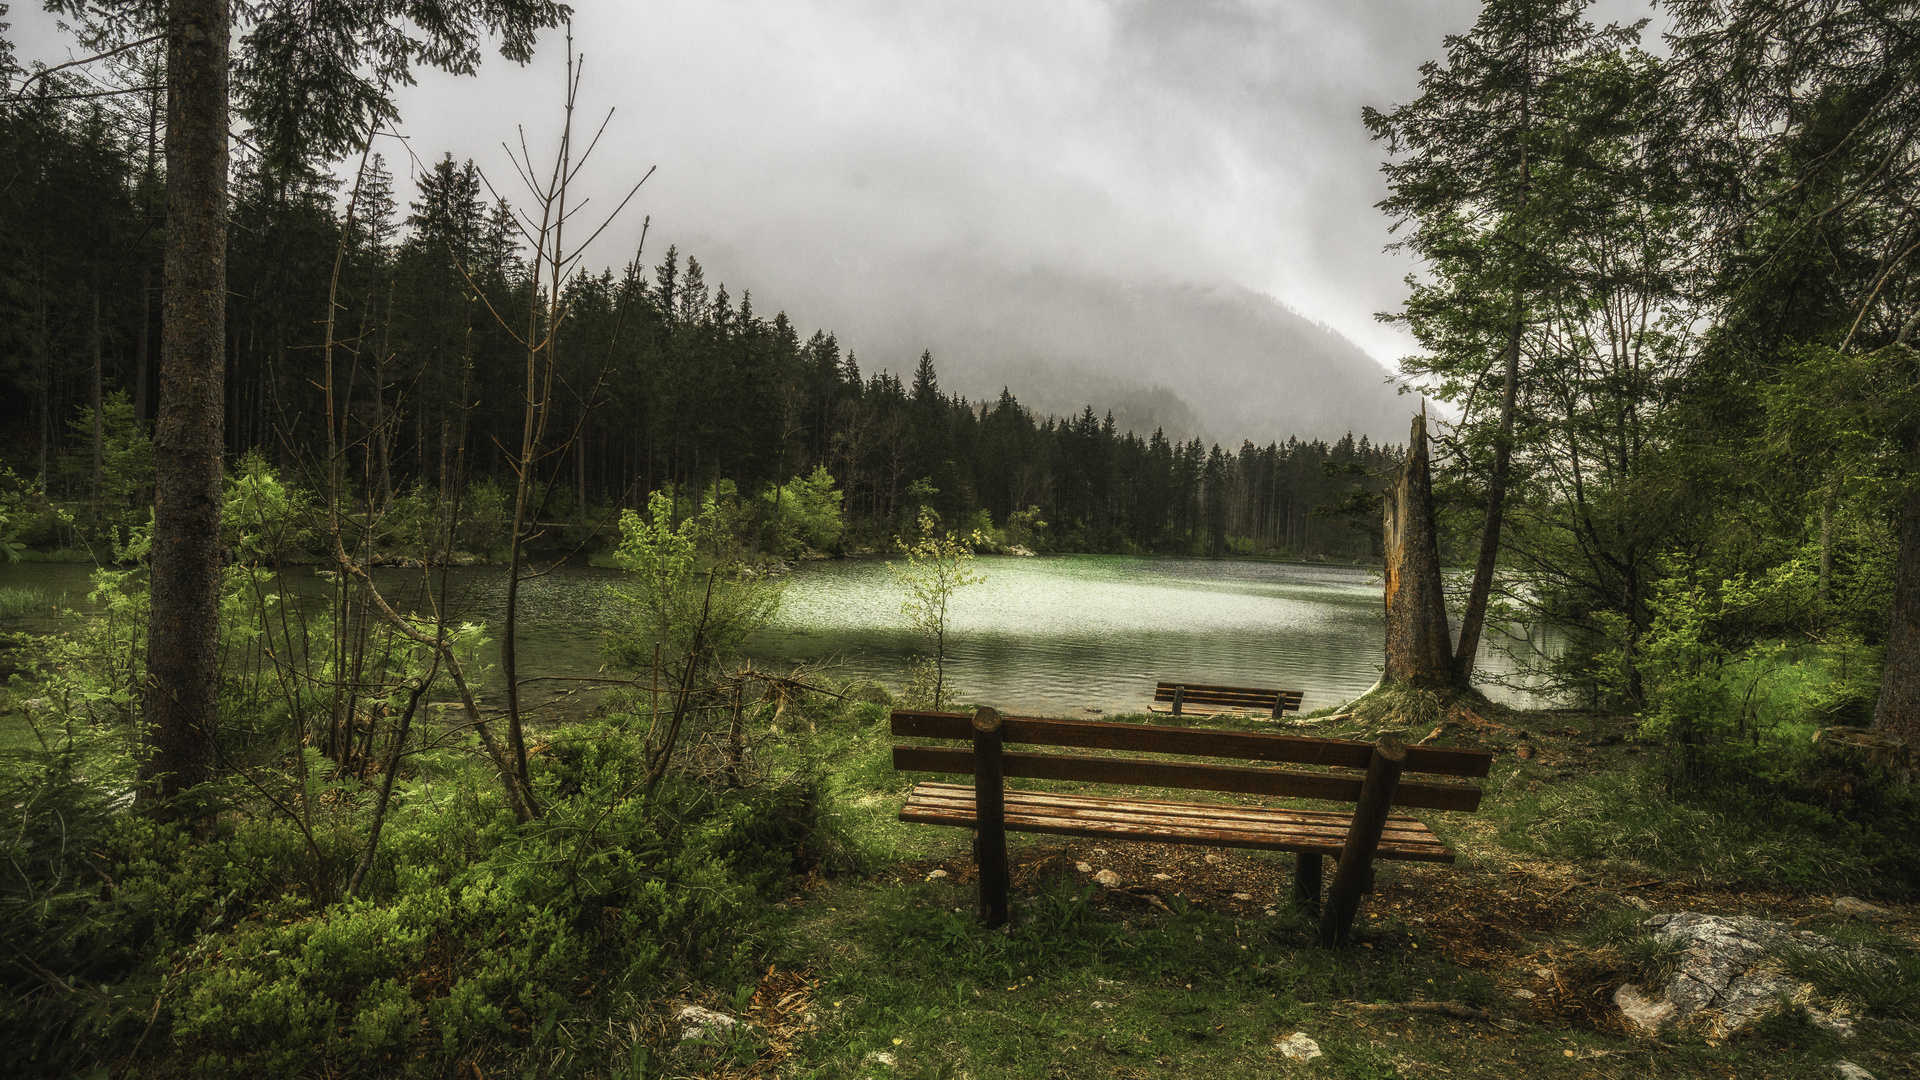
1194,742
1237,779
1176,823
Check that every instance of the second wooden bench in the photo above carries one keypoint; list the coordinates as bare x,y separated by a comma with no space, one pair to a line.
1369,779
1193,698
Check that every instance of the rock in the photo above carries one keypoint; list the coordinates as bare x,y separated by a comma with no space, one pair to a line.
1649,1014
1083,868
1215,858
1860,909
1639,902
936,875
881,1057
1847,1070
1163,877
1727,977
1100,1005
699,1025
1242,896
1298,1047
1107,878
1528,995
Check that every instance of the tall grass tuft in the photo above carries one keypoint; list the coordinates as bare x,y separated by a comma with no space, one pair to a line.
15,602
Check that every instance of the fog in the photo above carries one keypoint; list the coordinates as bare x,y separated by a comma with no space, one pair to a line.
1164,207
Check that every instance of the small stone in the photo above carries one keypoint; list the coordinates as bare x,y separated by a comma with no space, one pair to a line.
1242,896
881,1057
936,875
1216,858
1099,851
1847,1070
1639,902
1650,1014
1860,909
698,1024
1298,1047
1107,878
1163,877
1083,868
1543,973
1524,995
1100,1005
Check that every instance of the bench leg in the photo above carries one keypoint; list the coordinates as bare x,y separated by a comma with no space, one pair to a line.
1355,874
1306,881
989,804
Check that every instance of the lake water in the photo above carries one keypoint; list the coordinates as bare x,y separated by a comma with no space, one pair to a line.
1055,635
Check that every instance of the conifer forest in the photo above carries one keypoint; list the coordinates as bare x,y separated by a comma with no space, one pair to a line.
283,389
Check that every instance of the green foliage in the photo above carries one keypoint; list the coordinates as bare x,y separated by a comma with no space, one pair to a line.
804,514
675,594
263,518
937,567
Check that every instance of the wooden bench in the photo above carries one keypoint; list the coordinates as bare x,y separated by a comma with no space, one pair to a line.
1369,831
1183,698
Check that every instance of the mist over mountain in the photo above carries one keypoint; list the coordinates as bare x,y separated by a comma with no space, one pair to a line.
1223,363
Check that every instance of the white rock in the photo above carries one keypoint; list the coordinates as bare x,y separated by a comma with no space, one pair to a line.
881,1057
1850,906
1727,979
701,1024
1107,878
1083,868
1163,877
1243,896
1100,1005
1528,995
1847,1070
1298,1047
1650,1014
936,875
1216,858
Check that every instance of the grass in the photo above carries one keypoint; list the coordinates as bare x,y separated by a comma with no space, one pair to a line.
877,969
15,602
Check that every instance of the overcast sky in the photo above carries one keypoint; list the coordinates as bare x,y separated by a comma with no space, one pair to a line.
1190,141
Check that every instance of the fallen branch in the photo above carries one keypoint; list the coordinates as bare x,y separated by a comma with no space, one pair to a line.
1441,1008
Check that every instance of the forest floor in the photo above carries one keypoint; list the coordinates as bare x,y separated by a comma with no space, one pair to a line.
1194,965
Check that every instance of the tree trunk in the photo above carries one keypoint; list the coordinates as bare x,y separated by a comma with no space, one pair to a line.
140,356
1898,711
1474,618
182,692
99,424
1417,641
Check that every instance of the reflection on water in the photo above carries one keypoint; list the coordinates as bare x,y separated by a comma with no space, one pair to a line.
1055,635
1063,634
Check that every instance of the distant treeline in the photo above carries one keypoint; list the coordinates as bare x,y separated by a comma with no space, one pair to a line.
661,380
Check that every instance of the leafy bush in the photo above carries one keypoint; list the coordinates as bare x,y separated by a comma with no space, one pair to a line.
804,514
673,593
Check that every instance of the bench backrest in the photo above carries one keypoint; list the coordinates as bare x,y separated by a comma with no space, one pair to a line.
1231,697
1189,742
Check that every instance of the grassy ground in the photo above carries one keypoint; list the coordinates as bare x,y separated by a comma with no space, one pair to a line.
1203,972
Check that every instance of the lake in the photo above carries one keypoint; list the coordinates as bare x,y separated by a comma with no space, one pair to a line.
1055,635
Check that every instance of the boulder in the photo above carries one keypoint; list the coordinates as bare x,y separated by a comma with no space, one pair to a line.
1729,976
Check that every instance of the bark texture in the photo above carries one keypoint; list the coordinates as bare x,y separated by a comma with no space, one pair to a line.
182,692
1418,646
1897,713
